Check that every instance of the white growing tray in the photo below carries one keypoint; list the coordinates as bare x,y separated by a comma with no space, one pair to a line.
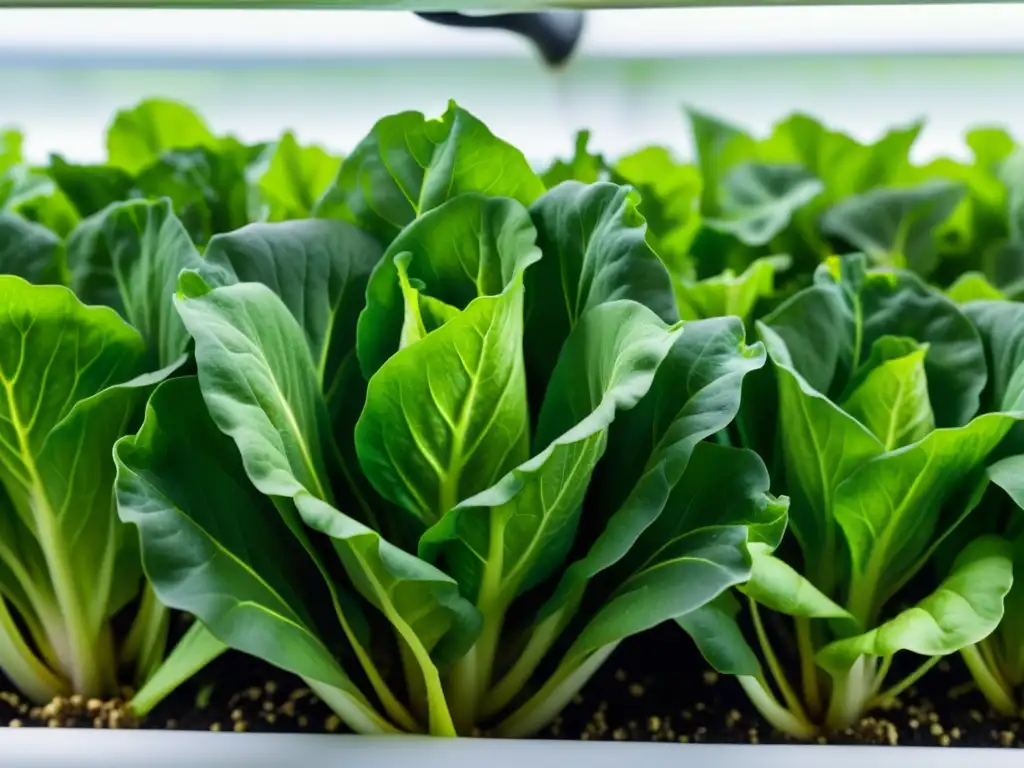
60,748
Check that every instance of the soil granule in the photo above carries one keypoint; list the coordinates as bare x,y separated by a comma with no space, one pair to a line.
653,688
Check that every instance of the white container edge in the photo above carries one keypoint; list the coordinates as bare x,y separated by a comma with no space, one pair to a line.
81,748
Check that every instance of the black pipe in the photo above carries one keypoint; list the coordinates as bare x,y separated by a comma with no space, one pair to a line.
555,34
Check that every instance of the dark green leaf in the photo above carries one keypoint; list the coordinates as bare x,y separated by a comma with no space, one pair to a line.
128,257
593,241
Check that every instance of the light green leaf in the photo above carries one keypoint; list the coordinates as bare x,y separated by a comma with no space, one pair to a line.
446,417
892,398
138,136
1008,474
128,257
259,381
965,609
888,508
669,201
295,178
56,434
10,148
593,241
469,247
973,286
846,166
582,166
408,165
30,251
778,586
728,293
896,227
758,201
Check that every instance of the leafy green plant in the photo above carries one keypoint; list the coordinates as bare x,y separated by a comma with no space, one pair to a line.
997,661
440,465
878,381
72,378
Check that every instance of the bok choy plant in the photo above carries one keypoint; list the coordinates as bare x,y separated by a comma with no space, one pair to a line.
443,451
878,381
997,662
72,380
75,379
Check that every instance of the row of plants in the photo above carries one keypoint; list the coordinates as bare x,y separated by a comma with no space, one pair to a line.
436,431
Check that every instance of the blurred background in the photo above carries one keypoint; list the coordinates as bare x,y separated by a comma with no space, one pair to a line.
330,74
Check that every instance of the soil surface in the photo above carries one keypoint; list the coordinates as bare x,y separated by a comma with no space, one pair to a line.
654,688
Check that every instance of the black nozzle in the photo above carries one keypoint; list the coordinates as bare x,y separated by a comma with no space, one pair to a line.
555,34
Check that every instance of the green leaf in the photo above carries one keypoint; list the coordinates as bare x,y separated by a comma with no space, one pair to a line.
700,541
515,534
260,386
208,187
720,147
892,398
846,315
900,304
10,149
214,546
469,247
46,205
719,638
582,166
965,609
90,188
846,166
728,293
696,551
817,313
319,270
249,349
896,226
650,447
669,201
973,286
758,201
423,603
593,241
1001,326
295,178
138,136
821,445
888,508
446,416
409,165
30,251
56,434
778,586
128,257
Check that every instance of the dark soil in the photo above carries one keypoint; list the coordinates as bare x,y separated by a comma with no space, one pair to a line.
654,688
